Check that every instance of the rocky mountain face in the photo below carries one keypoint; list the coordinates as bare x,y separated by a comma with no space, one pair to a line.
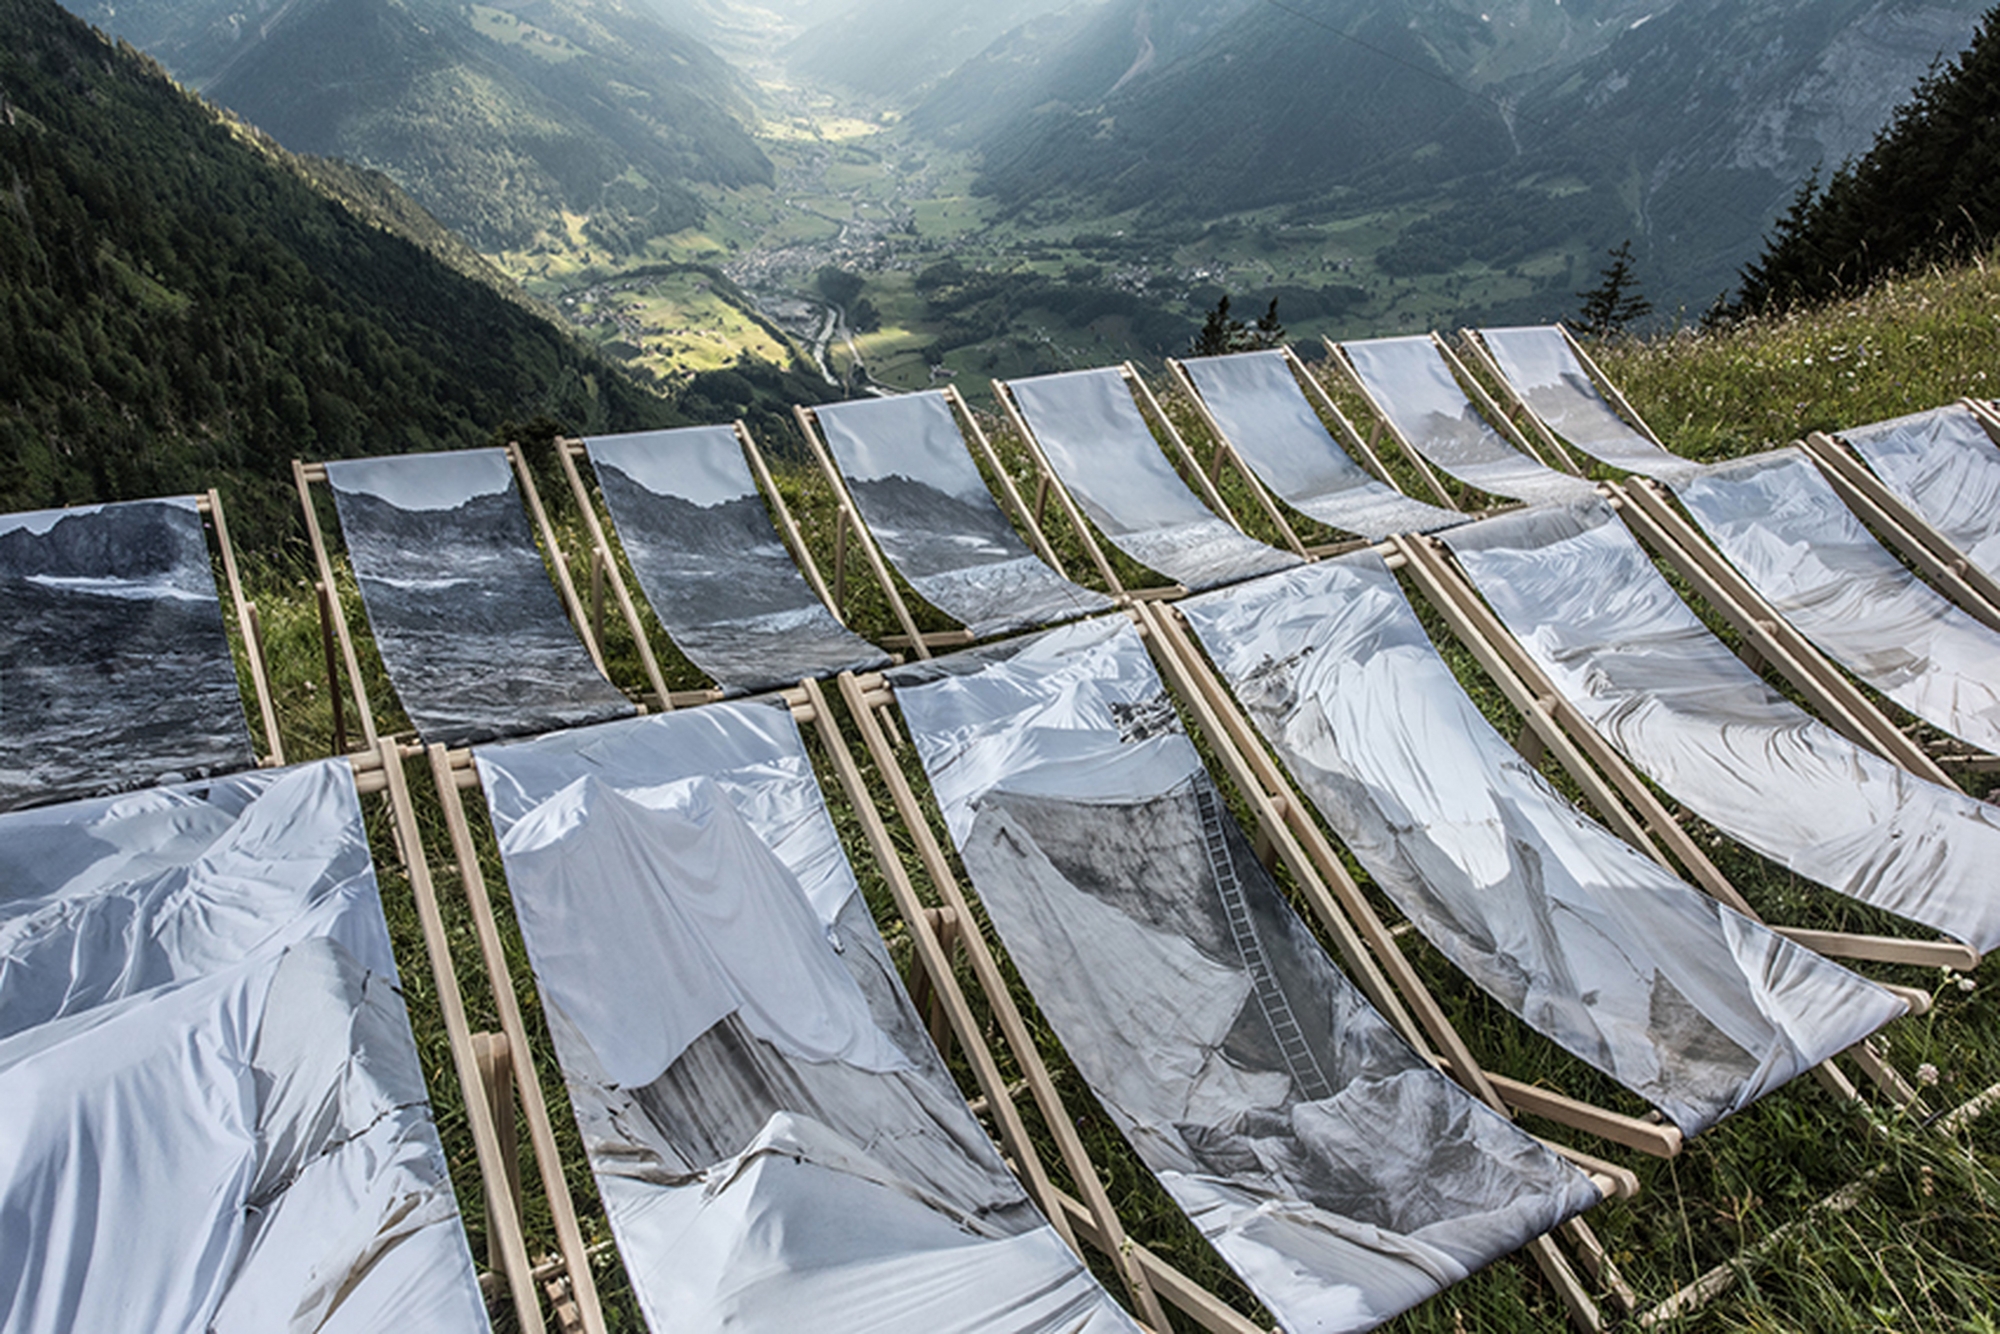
497,118
1684,124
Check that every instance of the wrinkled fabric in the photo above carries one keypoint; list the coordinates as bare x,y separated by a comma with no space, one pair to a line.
1575,588
1339,1174
470,629
218,1118
1410,384
1539,364
1684,1001
1780,523
115,672
1093,436
775,1139
1946,468
713,566
1273,428
923,498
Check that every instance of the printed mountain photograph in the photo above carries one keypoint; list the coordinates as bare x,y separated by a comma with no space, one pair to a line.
1213,666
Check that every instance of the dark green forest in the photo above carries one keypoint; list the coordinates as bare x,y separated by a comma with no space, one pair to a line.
185,309
1928,191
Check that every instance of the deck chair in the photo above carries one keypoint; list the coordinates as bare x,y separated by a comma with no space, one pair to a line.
216,1118
775,1139
1256,405
1555,386
1341,1175
1785,529
1603,628
1419,392
474,639
1092,444
1929,487
1695,1007
901,464
115,669
717,572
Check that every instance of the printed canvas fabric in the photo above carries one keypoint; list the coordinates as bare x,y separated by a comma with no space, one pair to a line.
1092,433
460,604
216,1114
1945,467
1538,362
1411,384
1273,428
929,509
115,672
1343,1177
1785,527
776,1141
712,565
1575,588
1697,1009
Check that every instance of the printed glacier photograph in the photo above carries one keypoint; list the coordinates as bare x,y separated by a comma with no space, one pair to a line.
460,604
712,564
1343,1177
906,465
1100,446
115,671
216,1116
776,1141
1691,1005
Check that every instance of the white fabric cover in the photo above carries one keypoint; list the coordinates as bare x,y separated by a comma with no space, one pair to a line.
1544,371
1785,527
923,498
219,1126
1339,1174
1943,465
776,1141
1687,1003
1273,428
711,563
1410,384
1100,446
1575,588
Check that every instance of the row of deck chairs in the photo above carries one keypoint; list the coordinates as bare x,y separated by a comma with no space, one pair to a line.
772,1129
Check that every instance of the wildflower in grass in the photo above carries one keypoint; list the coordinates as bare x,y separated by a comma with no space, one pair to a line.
1967,985
1927,1074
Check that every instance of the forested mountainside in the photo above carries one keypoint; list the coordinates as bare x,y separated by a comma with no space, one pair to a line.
1517,125
496,118
1928,190
185,309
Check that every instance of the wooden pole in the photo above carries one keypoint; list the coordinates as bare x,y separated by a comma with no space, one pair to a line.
1049,484
1030,520
252,631
850,516
302,475
1225,448
602,566
564,583
801,554
1385,423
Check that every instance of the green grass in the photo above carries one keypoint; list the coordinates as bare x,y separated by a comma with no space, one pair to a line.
1913,1246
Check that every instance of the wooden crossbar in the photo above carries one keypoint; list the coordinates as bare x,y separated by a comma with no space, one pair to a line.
303,475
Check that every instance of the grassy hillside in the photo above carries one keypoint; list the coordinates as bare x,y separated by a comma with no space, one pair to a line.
1908,1243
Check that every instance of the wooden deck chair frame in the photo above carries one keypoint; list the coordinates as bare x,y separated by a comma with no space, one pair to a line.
1614,789
496,1071
1276,840
1225,450
1047,483
848,517
1649,510
1236,739
249,626
1518,410
605,568
935,935
1974,590
1476,393
339,634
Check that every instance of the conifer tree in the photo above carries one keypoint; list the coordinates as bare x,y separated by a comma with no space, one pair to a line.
1616,301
